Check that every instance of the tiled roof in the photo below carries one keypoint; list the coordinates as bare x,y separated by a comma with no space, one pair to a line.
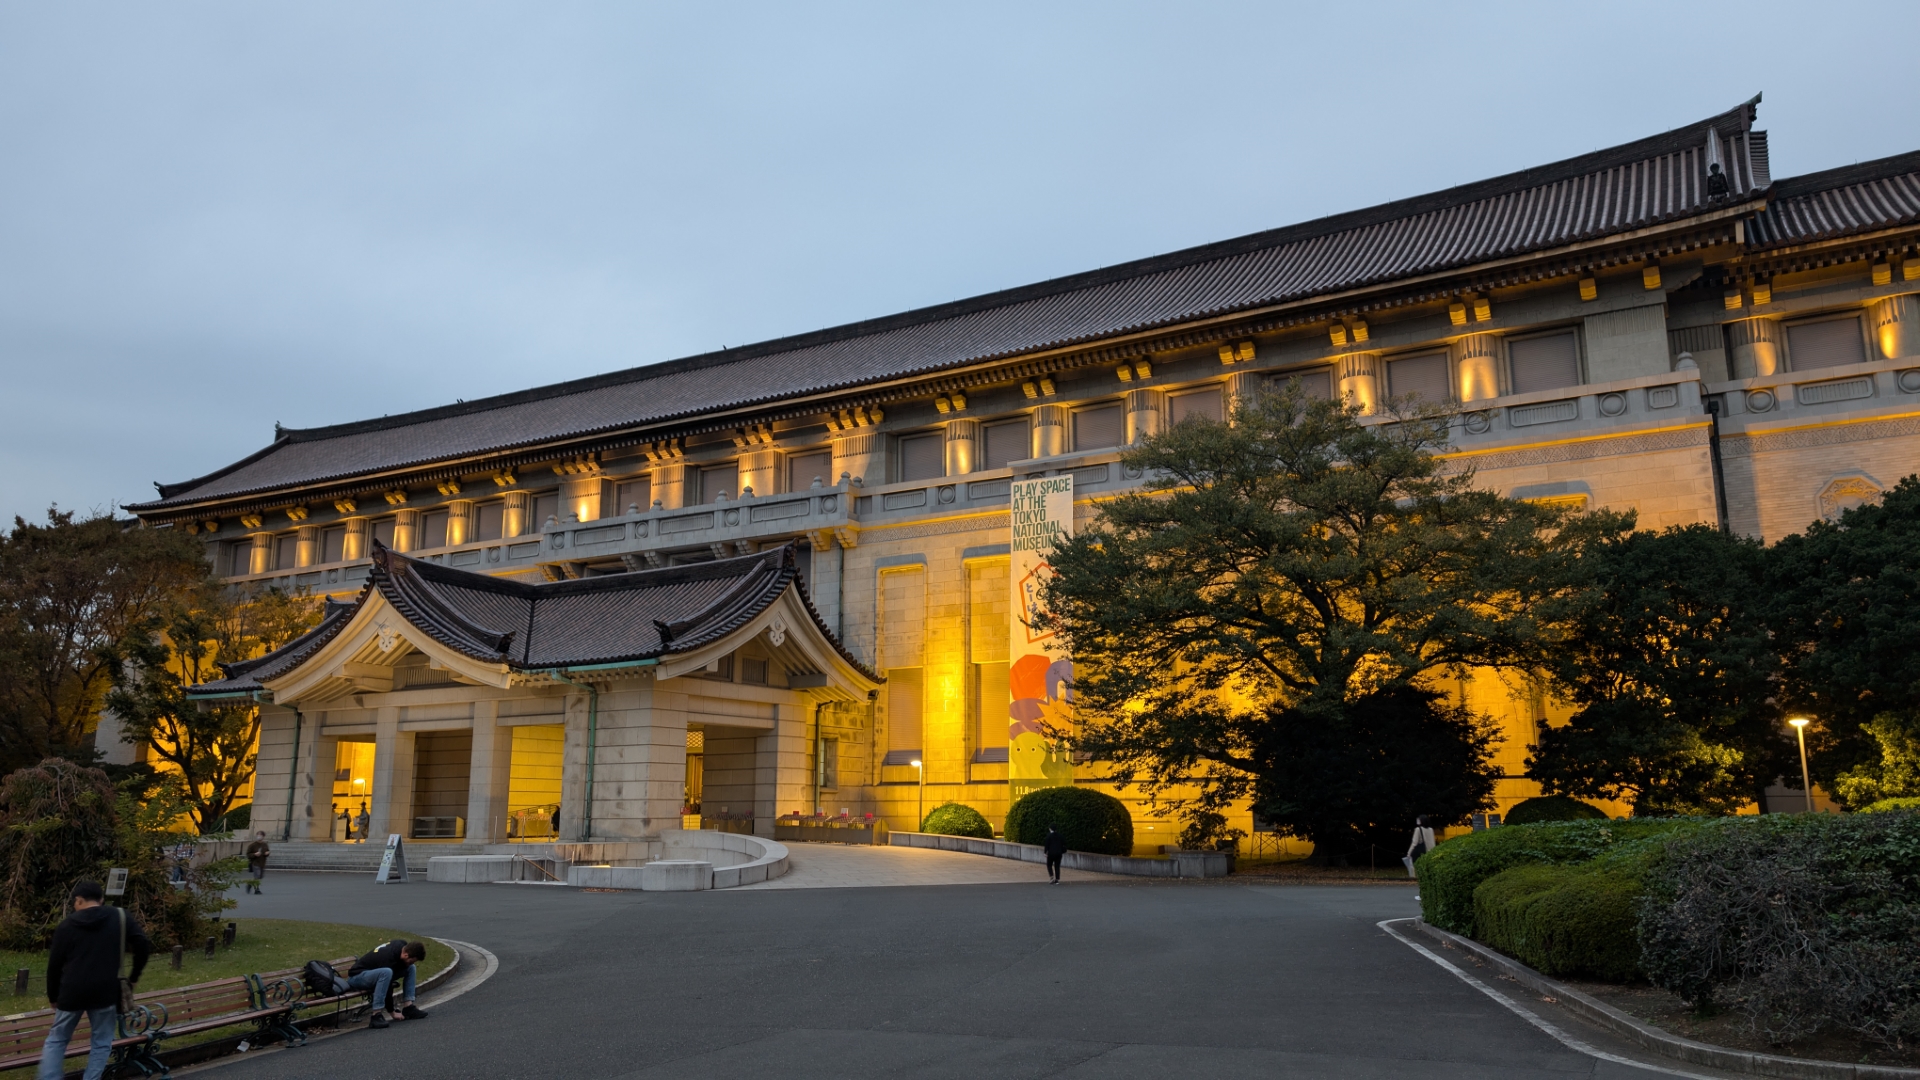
1654,180
593,620
1840,202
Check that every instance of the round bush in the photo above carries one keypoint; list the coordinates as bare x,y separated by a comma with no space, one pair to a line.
1564,920
1885,805
954,819
1552,808
1090,820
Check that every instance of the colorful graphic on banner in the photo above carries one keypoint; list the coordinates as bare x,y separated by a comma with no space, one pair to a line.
1039,673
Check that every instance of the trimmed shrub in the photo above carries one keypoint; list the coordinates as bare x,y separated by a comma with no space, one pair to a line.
1090,820
1553,808
1564,920
1884,805
1804,922
239,819
1452,871
954,819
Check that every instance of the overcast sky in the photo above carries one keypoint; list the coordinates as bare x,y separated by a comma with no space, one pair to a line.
215,216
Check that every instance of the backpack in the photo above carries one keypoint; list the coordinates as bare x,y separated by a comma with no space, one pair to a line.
322,979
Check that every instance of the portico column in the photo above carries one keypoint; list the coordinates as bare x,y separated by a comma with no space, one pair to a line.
317,782
780,778
1050,431
490,777
1359,376
513,517
260,558
673,485
963,447
459,521
406,530
1477,362
306,545
391,806
1146,414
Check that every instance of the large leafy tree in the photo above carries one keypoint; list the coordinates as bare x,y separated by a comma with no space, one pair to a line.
211,746
71,590
1256,619
1674,676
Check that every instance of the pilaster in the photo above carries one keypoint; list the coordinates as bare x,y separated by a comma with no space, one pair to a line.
1756,347
406,530
861,455
760,470
1146,414
306,545
1050,430
459,521
354,544
260,556
1896,326
585,497
317,785
1476,367
490,776
392,802
963,447
513,517
1359,377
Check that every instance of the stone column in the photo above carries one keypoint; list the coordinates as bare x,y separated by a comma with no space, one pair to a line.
1146,414
862,455
490,776
1476,363
1896,326
573,767
318,776
780,776
306,545
1240,389
673,485
513,518
354,544
1359,378
1050,434
1756,347
583,496
406,530
963,448
459,521
759,470
390,810
260,558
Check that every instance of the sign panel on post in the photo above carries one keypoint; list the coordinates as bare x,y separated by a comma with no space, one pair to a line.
1038,672
393,864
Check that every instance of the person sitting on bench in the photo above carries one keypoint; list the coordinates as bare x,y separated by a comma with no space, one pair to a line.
376,972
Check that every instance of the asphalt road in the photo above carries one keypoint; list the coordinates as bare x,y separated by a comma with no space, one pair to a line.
1157,981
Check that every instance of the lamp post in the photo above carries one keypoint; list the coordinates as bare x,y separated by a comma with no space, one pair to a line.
1800,729
920,772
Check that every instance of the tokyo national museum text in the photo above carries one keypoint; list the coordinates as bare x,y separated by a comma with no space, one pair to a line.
794,576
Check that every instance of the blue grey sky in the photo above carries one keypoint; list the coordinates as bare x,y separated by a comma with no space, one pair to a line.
216,216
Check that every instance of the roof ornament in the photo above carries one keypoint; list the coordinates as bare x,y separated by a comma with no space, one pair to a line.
777,631
666,632
388,635
1717,186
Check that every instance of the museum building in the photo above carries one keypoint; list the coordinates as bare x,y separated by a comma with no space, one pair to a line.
776,578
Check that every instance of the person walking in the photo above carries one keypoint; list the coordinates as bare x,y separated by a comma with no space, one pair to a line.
360,823
83,978
376,971
1056,847
257,853
1421,844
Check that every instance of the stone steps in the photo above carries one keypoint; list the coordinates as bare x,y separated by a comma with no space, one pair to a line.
358,858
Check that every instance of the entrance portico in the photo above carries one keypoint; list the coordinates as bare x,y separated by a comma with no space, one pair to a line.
482,698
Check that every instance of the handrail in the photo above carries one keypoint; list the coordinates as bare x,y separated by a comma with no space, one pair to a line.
537,866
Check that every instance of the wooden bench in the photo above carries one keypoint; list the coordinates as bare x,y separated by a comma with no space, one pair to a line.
209,1006
23,1034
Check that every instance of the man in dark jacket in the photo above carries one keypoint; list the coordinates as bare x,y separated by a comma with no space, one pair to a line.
1056,846
83,978
376,972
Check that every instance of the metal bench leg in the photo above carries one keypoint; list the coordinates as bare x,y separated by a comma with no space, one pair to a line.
141,1057
287,1028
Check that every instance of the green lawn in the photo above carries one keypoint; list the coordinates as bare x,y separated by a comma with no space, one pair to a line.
260,945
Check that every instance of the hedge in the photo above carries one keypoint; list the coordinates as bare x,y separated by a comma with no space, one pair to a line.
1090,820
1451,872
955,819
1564,920
1552,808
1885,805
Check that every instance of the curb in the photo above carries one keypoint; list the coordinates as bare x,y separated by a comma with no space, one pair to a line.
1197,864
1652,1038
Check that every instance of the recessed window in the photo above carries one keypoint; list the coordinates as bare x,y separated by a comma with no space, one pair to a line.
544,507
633,495
903,715
240,558
1202,403
1825,343
992,698
1008,441
333,544
283,551
1546,362
383,531
718,479
1422,377
923,457
1099,428
1317,383
490,521
433,530
804,469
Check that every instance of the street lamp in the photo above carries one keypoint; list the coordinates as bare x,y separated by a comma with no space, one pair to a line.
1800,728
922,774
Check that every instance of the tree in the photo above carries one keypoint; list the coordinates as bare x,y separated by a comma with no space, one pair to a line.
1896,775
1280,570
1845,605
212,745
70,591
1674,674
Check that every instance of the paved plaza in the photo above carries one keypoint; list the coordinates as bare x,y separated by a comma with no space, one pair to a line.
976,976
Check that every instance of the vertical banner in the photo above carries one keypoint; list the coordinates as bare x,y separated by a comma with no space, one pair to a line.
1038,671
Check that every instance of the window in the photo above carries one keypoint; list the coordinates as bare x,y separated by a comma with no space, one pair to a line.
1547,362
1825,343
1315,383
383,532
992,700
283,551
1008,441
490,521
923,457
829,764
903,715
804,469
333,544
631,495
433,530
716,479
240,558
753,669
1423,377
1202,403
988,696
544,507
1099,428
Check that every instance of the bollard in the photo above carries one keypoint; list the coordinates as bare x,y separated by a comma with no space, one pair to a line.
20,978
179,952
211,942
227,935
